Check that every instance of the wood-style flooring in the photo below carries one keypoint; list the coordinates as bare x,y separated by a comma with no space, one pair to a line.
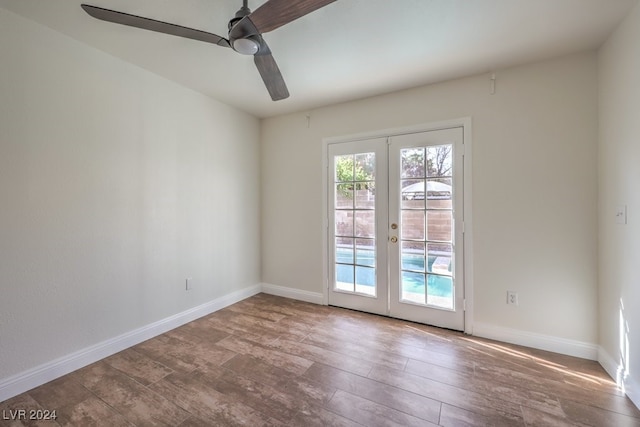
271,361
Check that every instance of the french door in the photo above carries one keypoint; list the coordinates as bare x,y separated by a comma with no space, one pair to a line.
395,235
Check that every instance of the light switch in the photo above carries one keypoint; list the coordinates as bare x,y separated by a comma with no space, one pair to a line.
621,214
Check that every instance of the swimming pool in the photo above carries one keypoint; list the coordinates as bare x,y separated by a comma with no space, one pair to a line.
414,275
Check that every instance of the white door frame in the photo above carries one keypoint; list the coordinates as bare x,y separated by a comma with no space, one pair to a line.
465,123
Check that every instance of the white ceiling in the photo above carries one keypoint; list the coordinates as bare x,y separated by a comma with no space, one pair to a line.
349,49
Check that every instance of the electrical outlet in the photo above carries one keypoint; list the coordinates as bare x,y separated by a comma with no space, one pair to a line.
621,214
187,284
512,297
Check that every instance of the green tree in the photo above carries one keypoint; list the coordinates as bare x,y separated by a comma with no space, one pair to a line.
353,175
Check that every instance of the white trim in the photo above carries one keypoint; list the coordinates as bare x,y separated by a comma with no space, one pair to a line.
468,226
297,294
574,348
632,389
325,223
607,362
383,133
629,385
27,380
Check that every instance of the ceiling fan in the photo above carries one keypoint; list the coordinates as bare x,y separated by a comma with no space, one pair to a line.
245,32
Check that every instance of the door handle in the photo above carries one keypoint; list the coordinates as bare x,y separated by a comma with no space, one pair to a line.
394,239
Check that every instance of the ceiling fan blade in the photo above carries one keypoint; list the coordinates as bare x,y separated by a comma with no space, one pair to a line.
276,13
153,25
270,72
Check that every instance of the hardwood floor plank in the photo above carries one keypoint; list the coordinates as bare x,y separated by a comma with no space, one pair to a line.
138,366
198,331
194,421
293,331
60,392
322,355
400,400
370,413
603,398
76,405
517,395
286,361
314,416
259,370
451,416
357,350
256,311
393,331
263,398
375,336
13,417
538,418
592,416
244,331
455,396
91,412
285,382
131,399
520,359
193,394
171,352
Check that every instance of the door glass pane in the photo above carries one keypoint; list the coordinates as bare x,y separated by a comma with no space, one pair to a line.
365,195
439,225
413,256
344,277
413,163
413,224
413,287
344,223
344,196
366,252
440,161
440,291
365,166
439,193
344,168
355,217
439,258
365,224
344,250
413,193
366,280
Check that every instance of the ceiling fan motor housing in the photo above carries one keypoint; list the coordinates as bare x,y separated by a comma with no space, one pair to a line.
243,41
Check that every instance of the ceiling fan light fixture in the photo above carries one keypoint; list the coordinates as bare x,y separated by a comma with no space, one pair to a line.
246,46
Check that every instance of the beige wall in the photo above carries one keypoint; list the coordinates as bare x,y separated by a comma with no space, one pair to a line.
619,185
115,185
534,189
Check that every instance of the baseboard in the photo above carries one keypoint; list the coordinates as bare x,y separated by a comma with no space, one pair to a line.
27,380
630,386
297,294
632,389
539,341
608,363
